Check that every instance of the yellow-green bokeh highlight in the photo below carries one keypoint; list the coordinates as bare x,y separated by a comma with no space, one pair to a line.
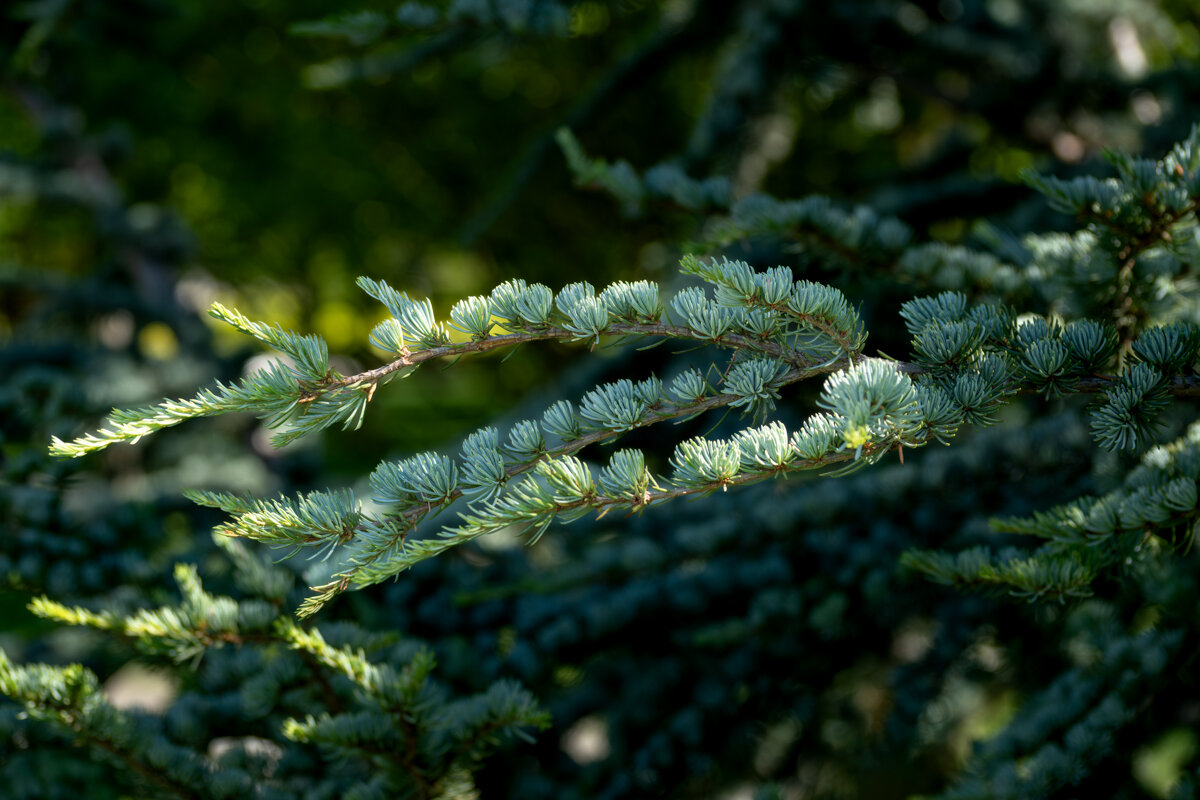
1159,765
157,341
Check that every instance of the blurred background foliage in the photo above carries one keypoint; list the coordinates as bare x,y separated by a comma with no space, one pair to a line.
156,156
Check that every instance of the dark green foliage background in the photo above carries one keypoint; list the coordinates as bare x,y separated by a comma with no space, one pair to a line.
762,641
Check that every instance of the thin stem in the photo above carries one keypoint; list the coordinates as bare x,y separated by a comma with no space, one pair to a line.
149,774
1126,312
662,41
129,759
412,359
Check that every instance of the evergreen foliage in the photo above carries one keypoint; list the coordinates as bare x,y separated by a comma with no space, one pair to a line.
967,358
379,710
1009,615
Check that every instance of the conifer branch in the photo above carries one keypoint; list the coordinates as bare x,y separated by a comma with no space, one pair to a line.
145,771
306,395
967,360
70,697
734,341
397,703
399,553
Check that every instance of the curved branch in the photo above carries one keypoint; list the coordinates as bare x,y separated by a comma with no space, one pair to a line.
550,333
